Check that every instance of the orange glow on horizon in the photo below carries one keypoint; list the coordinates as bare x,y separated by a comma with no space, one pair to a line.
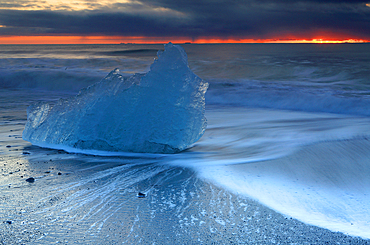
281,41
60,39
157,40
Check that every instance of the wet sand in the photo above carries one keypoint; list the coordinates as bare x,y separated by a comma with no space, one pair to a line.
94,200
324,184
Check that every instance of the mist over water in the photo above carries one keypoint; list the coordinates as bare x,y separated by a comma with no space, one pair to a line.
288,126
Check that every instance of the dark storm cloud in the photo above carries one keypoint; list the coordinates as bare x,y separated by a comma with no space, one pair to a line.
190,18
88,23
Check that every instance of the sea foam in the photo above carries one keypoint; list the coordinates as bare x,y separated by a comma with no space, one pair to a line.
313,167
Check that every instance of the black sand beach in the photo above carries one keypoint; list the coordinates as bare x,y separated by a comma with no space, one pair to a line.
80,199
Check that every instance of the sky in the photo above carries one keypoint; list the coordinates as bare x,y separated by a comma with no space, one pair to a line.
158,21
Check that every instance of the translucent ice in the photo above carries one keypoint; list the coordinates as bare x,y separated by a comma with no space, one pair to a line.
161,111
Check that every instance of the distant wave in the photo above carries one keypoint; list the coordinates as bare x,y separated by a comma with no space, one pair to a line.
17,52
47,80
62,74
134,52
74,74
276,96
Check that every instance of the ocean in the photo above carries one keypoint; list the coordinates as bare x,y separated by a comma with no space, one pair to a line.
285,158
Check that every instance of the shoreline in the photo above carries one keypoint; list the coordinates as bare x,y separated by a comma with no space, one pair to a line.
95,200
323,184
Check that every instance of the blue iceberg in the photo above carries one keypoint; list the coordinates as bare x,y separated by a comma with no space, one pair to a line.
161,111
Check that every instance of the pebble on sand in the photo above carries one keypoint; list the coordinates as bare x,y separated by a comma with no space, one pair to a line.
30,180
141,195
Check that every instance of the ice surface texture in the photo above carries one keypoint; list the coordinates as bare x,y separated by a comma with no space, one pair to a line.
161,111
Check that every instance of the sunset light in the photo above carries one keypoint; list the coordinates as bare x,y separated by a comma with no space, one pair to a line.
323,41
122,6
57,5
154,40
158,21
60,40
